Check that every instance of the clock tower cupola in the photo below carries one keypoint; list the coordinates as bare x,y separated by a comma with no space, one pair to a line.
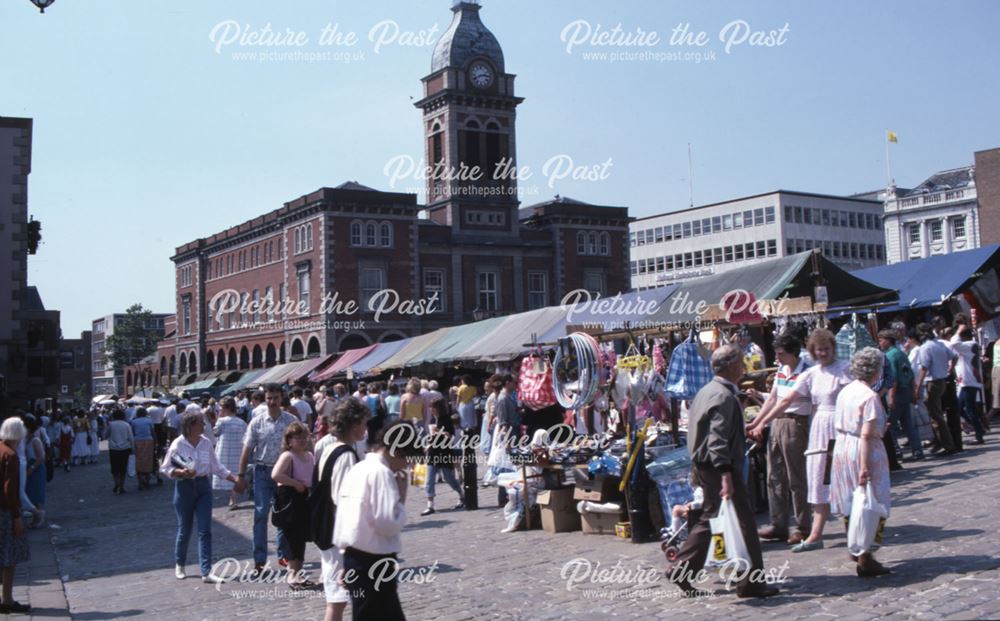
468,122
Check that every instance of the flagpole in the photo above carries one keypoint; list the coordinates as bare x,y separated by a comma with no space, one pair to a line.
888,163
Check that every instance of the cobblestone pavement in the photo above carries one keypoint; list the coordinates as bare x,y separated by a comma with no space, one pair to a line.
114,555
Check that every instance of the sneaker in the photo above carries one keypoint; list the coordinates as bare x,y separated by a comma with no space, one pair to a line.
212,579
427,511
179,572
918,455
282,562
460,505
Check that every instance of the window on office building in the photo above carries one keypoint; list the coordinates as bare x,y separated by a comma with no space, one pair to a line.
788,213
738,220
738,252
807,215
768,215
717,224
658,234
826,217
914,230
697,258
727,222
687,229
748,250
852,219
758,217
717,255
696,228
761,248
789,246
660,264
688,259
798,215
772,247
706,226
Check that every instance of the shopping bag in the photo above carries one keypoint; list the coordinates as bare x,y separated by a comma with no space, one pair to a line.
717,549
418,475
922,420
736,548
131,465
727,547
534,388
863,526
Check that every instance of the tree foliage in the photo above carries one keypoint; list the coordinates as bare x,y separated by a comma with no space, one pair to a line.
135,337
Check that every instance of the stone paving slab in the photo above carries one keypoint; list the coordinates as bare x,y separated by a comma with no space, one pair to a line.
115,557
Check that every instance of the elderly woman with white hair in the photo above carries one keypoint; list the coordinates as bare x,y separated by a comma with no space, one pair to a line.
859,456
13,543
191,462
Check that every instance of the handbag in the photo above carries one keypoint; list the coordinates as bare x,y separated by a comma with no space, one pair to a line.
867,514
534,387
283,506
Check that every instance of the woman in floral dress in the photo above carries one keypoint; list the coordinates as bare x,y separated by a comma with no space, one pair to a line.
859,456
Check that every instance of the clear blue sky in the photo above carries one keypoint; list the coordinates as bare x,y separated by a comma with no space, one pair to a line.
146,138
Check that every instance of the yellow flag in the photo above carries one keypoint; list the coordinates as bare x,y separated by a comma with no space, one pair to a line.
891,136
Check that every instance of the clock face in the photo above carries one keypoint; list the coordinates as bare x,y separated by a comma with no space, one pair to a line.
481,75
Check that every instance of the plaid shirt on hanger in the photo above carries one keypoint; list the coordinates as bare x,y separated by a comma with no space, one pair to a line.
688,371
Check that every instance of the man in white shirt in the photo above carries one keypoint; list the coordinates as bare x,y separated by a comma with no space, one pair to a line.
969,378
371,513
302,408
172,419
257,405
433,394
934,359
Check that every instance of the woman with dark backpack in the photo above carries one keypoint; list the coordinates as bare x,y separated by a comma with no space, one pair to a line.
349,426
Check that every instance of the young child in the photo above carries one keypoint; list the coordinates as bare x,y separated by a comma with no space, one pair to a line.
679,514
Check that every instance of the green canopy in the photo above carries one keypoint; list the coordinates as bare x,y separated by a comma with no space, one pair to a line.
454,341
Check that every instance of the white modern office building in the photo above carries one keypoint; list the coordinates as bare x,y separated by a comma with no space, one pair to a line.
939,216
711,239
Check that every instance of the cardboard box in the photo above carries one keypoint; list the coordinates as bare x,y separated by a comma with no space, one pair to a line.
558,510
599,523
600,489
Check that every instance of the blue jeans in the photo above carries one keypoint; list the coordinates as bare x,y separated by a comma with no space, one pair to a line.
901,413
263,491
193,499
967,401
448,472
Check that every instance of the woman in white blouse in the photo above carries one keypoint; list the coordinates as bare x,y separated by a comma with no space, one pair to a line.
349,426
191,462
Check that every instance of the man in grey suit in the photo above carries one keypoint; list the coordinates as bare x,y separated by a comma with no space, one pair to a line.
717,444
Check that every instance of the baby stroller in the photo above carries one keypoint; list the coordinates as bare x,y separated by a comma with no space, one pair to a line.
671,541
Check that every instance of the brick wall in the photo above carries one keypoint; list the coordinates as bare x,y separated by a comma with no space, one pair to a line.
988,192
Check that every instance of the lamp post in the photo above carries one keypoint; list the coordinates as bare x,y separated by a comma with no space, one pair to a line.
42,4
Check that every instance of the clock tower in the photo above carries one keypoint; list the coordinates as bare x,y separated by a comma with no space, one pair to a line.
468,124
